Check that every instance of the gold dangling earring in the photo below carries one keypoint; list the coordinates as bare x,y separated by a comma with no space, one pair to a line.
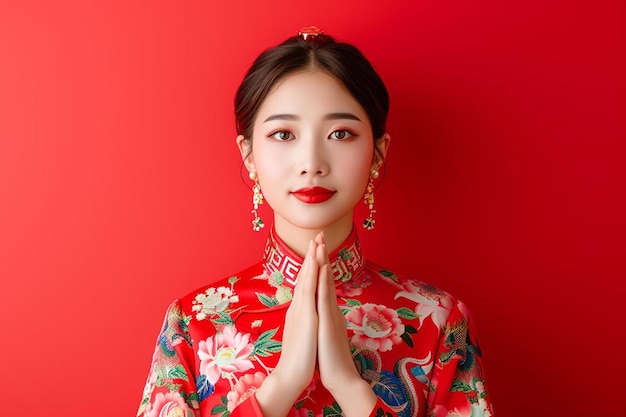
257,198
368,199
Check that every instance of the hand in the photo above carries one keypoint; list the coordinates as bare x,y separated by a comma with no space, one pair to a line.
296,365
336,367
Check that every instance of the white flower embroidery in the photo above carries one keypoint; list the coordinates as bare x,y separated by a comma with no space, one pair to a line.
213,301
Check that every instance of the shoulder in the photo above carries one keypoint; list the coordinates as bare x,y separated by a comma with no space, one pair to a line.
218,294
409,284
429,302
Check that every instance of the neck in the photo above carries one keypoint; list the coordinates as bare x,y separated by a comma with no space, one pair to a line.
297,239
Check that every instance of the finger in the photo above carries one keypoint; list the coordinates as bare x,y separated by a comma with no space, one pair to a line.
320,239
325,293
310,279
320,254
303,270
326,277
307,277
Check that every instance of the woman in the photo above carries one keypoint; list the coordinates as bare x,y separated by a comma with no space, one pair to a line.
315,329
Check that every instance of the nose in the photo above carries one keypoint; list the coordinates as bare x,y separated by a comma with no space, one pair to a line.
313,159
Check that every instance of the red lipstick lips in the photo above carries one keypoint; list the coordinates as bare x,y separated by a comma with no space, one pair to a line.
313,195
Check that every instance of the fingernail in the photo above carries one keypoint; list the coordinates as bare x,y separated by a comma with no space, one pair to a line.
322,235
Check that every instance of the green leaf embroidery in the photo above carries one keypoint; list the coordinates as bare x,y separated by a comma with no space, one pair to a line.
161,375
265,345
267,300
223,318
233,279
389,275
173,387
345,255
352,303
221,408
334,411
460,386
407,313
267,335
178,372
409,329
407,339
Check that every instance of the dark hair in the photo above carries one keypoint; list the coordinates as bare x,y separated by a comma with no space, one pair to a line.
341,60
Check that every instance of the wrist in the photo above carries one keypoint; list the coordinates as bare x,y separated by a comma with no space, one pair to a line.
276,396
355,398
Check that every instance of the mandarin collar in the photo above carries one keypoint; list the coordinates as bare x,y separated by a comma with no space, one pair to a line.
346,261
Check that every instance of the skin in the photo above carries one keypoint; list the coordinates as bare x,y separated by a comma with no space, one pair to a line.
310,131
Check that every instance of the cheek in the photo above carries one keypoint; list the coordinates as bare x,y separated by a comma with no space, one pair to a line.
270,172
357,164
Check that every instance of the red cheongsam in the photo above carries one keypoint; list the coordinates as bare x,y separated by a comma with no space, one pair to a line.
414,344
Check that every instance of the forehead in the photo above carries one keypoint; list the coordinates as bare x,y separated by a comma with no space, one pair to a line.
310,93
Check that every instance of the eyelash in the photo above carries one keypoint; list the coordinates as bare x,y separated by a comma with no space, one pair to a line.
349,132
276,132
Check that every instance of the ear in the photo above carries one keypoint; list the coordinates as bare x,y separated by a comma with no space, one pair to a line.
382,145
245,149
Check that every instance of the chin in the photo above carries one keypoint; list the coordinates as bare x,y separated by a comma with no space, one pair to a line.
316,222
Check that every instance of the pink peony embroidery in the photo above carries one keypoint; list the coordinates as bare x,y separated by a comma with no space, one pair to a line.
244,389
375,326
227,351
170,404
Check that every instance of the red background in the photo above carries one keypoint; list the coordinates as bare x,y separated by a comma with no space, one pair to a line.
120,186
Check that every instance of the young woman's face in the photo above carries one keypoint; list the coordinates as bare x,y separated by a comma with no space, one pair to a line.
312,150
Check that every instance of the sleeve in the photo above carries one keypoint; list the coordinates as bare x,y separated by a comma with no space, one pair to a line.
170,388
457,385
248,408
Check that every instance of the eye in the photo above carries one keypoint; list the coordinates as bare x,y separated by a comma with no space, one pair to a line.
281,135
341,134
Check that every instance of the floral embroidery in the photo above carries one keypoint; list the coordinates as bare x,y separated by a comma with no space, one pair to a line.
213,301
382,413
430,301
226,352
409,342
333,410
244,389
170,404
375,326
302,412
354,286
175,330
282,293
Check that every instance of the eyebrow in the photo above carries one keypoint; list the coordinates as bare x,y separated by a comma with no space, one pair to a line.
329,116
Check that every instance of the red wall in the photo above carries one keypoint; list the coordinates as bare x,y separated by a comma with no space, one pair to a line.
120,187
